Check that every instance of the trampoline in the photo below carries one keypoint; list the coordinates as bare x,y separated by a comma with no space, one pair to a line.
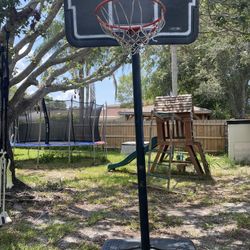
61,124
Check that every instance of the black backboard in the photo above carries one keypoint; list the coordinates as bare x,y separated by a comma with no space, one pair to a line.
83,30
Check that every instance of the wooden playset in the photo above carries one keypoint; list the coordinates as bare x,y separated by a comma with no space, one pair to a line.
174,119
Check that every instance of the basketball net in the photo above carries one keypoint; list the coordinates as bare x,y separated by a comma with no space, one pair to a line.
124,20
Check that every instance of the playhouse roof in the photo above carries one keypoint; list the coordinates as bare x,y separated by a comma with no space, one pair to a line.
173,104
168,105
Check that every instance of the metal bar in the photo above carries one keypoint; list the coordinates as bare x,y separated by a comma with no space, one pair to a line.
39,137
150,143
105,128
69,130
47,123
93,119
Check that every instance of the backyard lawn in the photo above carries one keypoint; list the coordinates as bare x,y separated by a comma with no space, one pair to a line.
79,206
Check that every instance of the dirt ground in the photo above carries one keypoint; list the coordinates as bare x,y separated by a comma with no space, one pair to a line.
213,214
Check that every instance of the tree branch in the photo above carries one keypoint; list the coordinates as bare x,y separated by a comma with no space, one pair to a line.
77,56
22,55
38,58
52,61
56,6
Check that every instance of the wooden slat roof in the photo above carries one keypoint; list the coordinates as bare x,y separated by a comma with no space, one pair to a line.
173,104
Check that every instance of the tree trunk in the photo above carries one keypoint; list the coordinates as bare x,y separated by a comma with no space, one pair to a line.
18,185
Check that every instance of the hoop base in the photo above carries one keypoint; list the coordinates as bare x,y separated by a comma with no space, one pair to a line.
156,244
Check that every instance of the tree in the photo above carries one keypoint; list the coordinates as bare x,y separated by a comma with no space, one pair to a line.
215,69
42,59
232,57
232,71
125,90
231,16
157,72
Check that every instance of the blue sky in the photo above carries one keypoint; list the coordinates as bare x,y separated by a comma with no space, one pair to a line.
105,92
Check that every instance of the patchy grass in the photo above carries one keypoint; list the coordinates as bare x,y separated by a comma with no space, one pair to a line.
79,206
243,220
95,217
172,221
22,236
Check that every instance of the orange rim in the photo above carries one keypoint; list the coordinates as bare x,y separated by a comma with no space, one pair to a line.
129,27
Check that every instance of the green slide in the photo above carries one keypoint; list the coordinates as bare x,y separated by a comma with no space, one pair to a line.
131,157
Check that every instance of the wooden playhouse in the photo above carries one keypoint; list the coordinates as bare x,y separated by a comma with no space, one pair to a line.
174,119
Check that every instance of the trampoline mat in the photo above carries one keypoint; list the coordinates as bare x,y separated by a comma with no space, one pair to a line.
56,144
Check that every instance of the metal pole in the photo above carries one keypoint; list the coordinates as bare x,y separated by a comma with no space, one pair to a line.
141,169
93,118
69,131
174,69
150,141
39,136
4,123
46,121
105,113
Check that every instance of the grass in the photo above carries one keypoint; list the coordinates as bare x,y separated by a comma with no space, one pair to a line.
80,205
222,161
95,217
243,220
24,236
55,231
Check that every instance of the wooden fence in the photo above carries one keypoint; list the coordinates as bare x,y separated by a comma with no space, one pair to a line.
211,133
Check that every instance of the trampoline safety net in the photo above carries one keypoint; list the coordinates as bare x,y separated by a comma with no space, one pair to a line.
61,121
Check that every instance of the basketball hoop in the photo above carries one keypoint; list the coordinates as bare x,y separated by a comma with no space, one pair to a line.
126,21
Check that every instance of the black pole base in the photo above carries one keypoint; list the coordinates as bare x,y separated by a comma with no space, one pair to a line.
155,244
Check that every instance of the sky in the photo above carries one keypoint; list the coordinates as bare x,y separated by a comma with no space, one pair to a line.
105,93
